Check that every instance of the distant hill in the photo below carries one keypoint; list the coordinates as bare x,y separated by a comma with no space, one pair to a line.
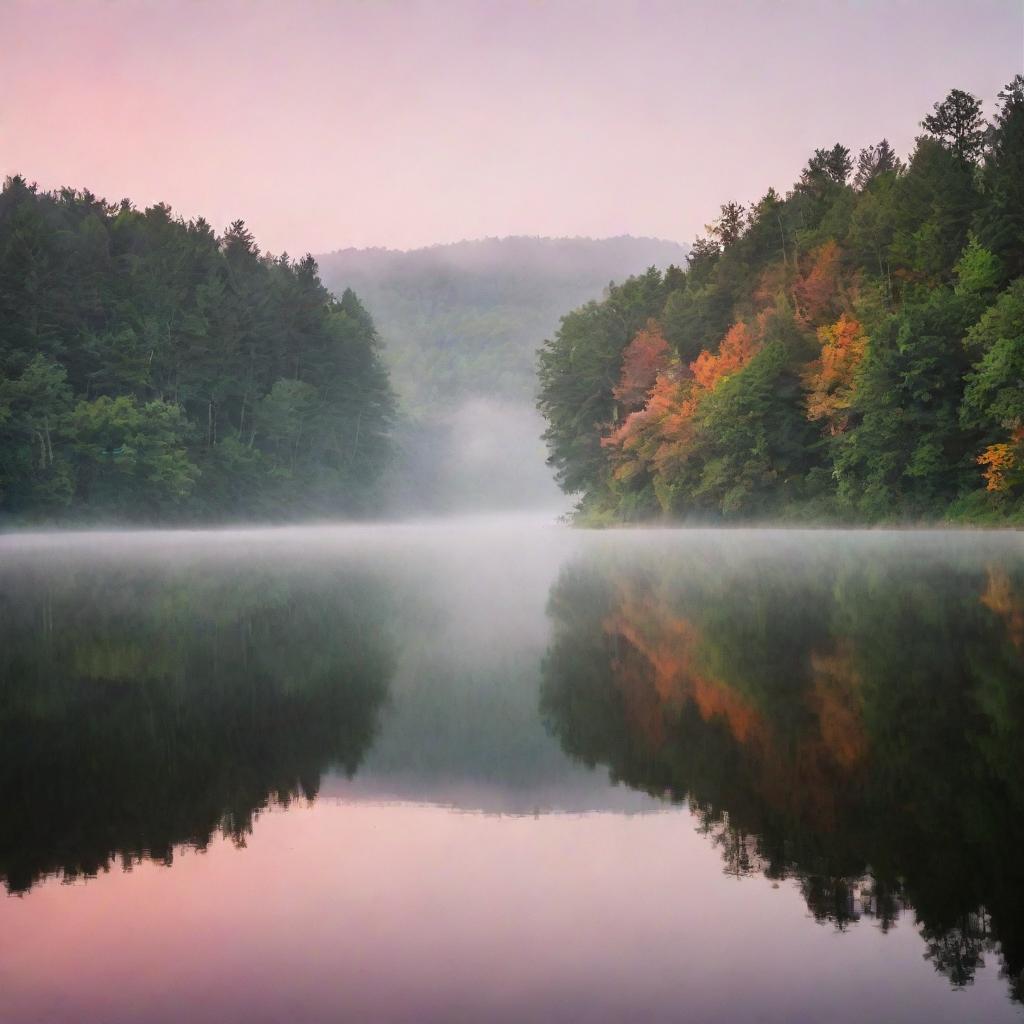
465,320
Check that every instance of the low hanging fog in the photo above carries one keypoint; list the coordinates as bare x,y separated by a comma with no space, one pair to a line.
496,458
484,455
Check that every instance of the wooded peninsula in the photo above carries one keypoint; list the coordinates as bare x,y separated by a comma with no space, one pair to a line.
852,351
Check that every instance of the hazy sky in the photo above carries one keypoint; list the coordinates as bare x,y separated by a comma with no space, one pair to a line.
407,122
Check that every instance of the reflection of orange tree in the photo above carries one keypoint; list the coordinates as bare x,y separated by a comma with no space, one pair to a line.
1000,597
658,667
854,724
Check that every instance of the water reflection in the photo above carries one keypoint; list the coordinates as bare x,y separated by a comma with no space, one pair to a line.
844,712
145,705
848,713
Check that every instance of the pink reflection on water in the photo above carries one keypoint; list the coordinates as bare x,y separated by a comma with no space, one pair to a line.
404,912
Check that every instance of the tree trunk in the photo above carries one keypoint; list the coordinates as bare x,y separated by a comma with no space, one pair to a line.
49,442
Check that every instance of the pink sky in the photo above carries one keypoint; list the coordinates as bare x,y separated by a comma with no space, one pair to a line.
406,122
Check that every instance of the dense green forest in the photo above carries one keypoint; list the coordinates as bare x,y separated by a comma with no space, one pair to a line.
460,325
853,350
150,370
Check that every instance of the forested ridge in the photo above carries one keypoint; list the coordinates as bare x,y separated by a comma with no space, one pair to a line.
153,371
462,320
850,351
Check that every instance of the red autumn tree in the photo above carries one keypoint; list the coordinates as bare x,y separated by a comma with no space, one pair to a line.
817,291
646,356
660,436
638,441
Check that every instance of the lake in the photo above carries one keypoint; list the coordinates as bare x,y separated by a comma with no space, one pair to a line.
502,770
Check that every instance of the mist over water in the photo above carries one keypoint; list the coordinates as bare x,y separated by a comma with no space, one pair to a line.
498,458
741,758
485,456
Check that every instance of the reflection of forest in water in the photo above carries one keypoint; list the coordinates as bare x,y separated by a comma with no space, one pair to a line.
849,715
143,707
846,711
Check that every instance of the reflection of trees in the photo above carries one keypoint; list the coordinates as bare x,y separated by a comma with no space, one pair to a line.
143,710
852,721
957,951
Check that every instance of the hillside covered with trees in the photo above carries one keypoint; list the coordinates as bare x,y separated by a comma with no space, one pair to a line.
852,350
463,320
150,370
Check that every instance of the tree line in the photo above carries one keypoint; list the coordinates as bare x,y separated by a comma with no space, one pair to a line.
151,370
852,350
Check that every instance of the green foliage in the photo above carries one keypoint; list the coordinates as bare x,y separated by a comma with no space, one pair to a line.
1000,221
757,437
149,370
130,456
958,122
936,202
853,351
977,271
578,369
906,456
994,396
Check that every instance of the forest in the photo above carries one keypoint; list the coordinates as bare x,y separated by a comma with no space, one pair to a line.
153,371
851,351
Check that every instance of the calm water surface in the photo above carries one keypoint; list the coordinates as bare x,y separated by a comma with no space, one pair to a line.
506,771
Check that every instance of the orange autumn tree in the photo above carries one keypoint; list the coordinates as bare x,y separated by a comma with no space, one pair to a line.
660,436
1003,463
829,378
647,355
998,460
737,348
817,292
635,444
